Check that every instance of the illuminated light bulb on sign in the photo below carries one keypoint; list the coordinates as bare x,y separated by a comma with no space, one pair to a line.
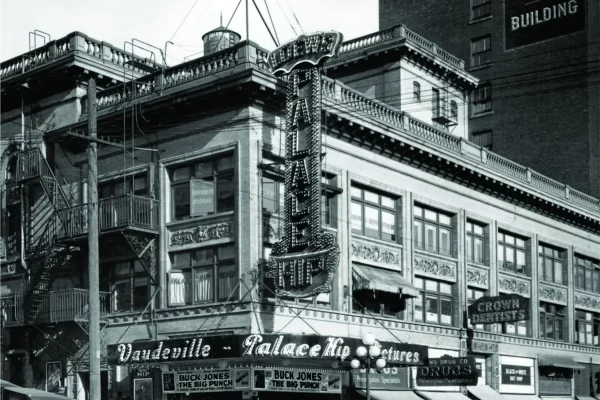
374,351
355,364
361,351
380,363
369,339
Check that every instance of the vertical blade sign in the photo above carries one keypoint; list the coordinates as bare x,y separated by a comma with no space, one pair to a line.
303,262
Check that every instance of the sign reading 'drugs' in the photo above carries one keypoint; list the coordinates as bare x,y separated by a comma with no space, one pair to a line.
259,347
499,309
528,22
296,380
448,371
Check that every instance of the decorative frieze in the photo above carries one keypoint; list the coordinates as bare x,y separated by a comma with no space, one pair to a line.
478,277
376,254
510,284
587,301
202,233
485,347
553,294
435,268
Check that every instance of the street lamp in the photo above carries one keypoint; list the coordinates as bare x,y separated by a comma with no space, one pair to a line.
368,355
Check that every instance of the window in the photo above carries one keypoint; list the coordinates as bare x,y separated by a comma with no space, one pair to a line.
472,295
416,92
329,192
480,9
273,200
136,184
202,189
552,322
203,275
481,51
587,328
482,138
520,328
373,214
432,231
11,230
511,253
128,284
435,102
475,241
453,110
434,305
587,274
482,99
551,266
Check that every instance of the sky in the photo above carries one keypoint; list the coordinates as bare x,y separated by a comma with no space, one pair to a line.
158,21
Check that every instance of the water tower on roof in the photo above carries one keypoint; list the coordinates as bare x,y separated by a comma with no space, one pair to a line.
219,39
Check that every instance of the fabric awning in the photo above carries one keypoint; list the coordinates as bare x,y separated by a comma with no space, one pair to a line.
521,397
556,398
33,394
585,398
484,392
443,395
371,278
559,362
390,394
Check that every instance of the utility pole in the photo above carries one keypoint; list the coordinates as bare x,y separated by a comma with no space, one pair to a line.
93,258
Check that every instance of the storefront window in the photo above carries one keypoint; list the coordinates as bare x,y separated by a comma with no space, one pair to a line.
203,275
202,189
555,381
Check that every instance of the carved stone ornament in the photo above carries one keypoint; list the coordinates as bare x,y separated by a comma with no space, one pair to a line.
485,347
553,294
437,268
514,285
477,277
202,233
376,254
586,301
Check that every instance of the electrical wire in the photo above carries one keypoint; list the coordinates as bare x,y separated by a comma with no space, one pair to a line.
265,23
271,19
183,21
227,27
286,17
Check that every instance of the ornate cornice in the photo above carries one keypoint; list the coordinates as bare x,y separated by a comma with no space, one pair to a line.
587,301
553,294
376,254
435,268
478,277
202,233
511,284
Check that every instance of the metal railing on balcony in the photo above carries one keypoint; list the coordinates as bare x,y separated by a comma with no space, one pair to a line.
56,306
126,211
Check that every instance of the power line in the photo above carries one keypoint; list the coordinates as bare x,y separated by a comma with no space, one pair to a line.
286,18
184,18
272,24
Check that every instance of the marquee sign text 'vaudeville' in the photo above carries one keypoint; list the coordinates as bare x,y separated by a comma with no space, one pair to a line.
259,347
303,262
499,309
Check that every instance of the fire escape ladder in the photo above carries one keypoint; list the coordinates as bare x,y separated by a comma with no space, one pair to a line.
144,247
81,356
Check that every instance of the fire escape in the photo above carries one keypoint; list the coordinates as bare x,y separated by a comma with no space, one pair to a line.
131,219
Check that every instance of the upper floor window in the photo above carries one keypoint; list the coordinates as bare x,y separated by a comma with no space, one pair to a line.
587,328
203,188
432,230
137,184
482,138
512,253
520,328
480,9
453,110
587,274
551,266
128,284
434,305
416,92
203,275
273,200
373,214
481,51
472,296
552,322
482,99
475,242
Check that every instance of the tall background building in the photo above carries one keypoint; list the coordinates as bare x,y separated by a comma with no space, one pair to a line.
537,61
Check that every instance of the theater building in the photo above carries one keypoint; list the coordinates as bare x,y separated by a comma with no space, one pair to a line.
194,173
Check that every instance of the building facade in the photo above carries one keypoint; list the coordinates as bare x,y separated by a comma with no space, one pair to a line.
192,190
538,65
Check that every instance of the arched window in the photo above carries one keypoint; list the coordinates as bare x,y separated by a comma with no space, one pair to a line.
453,110
416,92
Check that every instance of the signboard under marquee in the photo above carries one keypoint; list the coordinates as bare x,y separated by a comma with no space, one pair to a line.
296,380
499,309
448,371
206,380
303,262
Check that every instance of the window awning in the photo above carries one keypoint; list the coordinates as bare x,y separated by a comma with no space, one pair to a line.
521,397
391,394
585,398
443,395
559,362
556,398
33,394
371,278
484,392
